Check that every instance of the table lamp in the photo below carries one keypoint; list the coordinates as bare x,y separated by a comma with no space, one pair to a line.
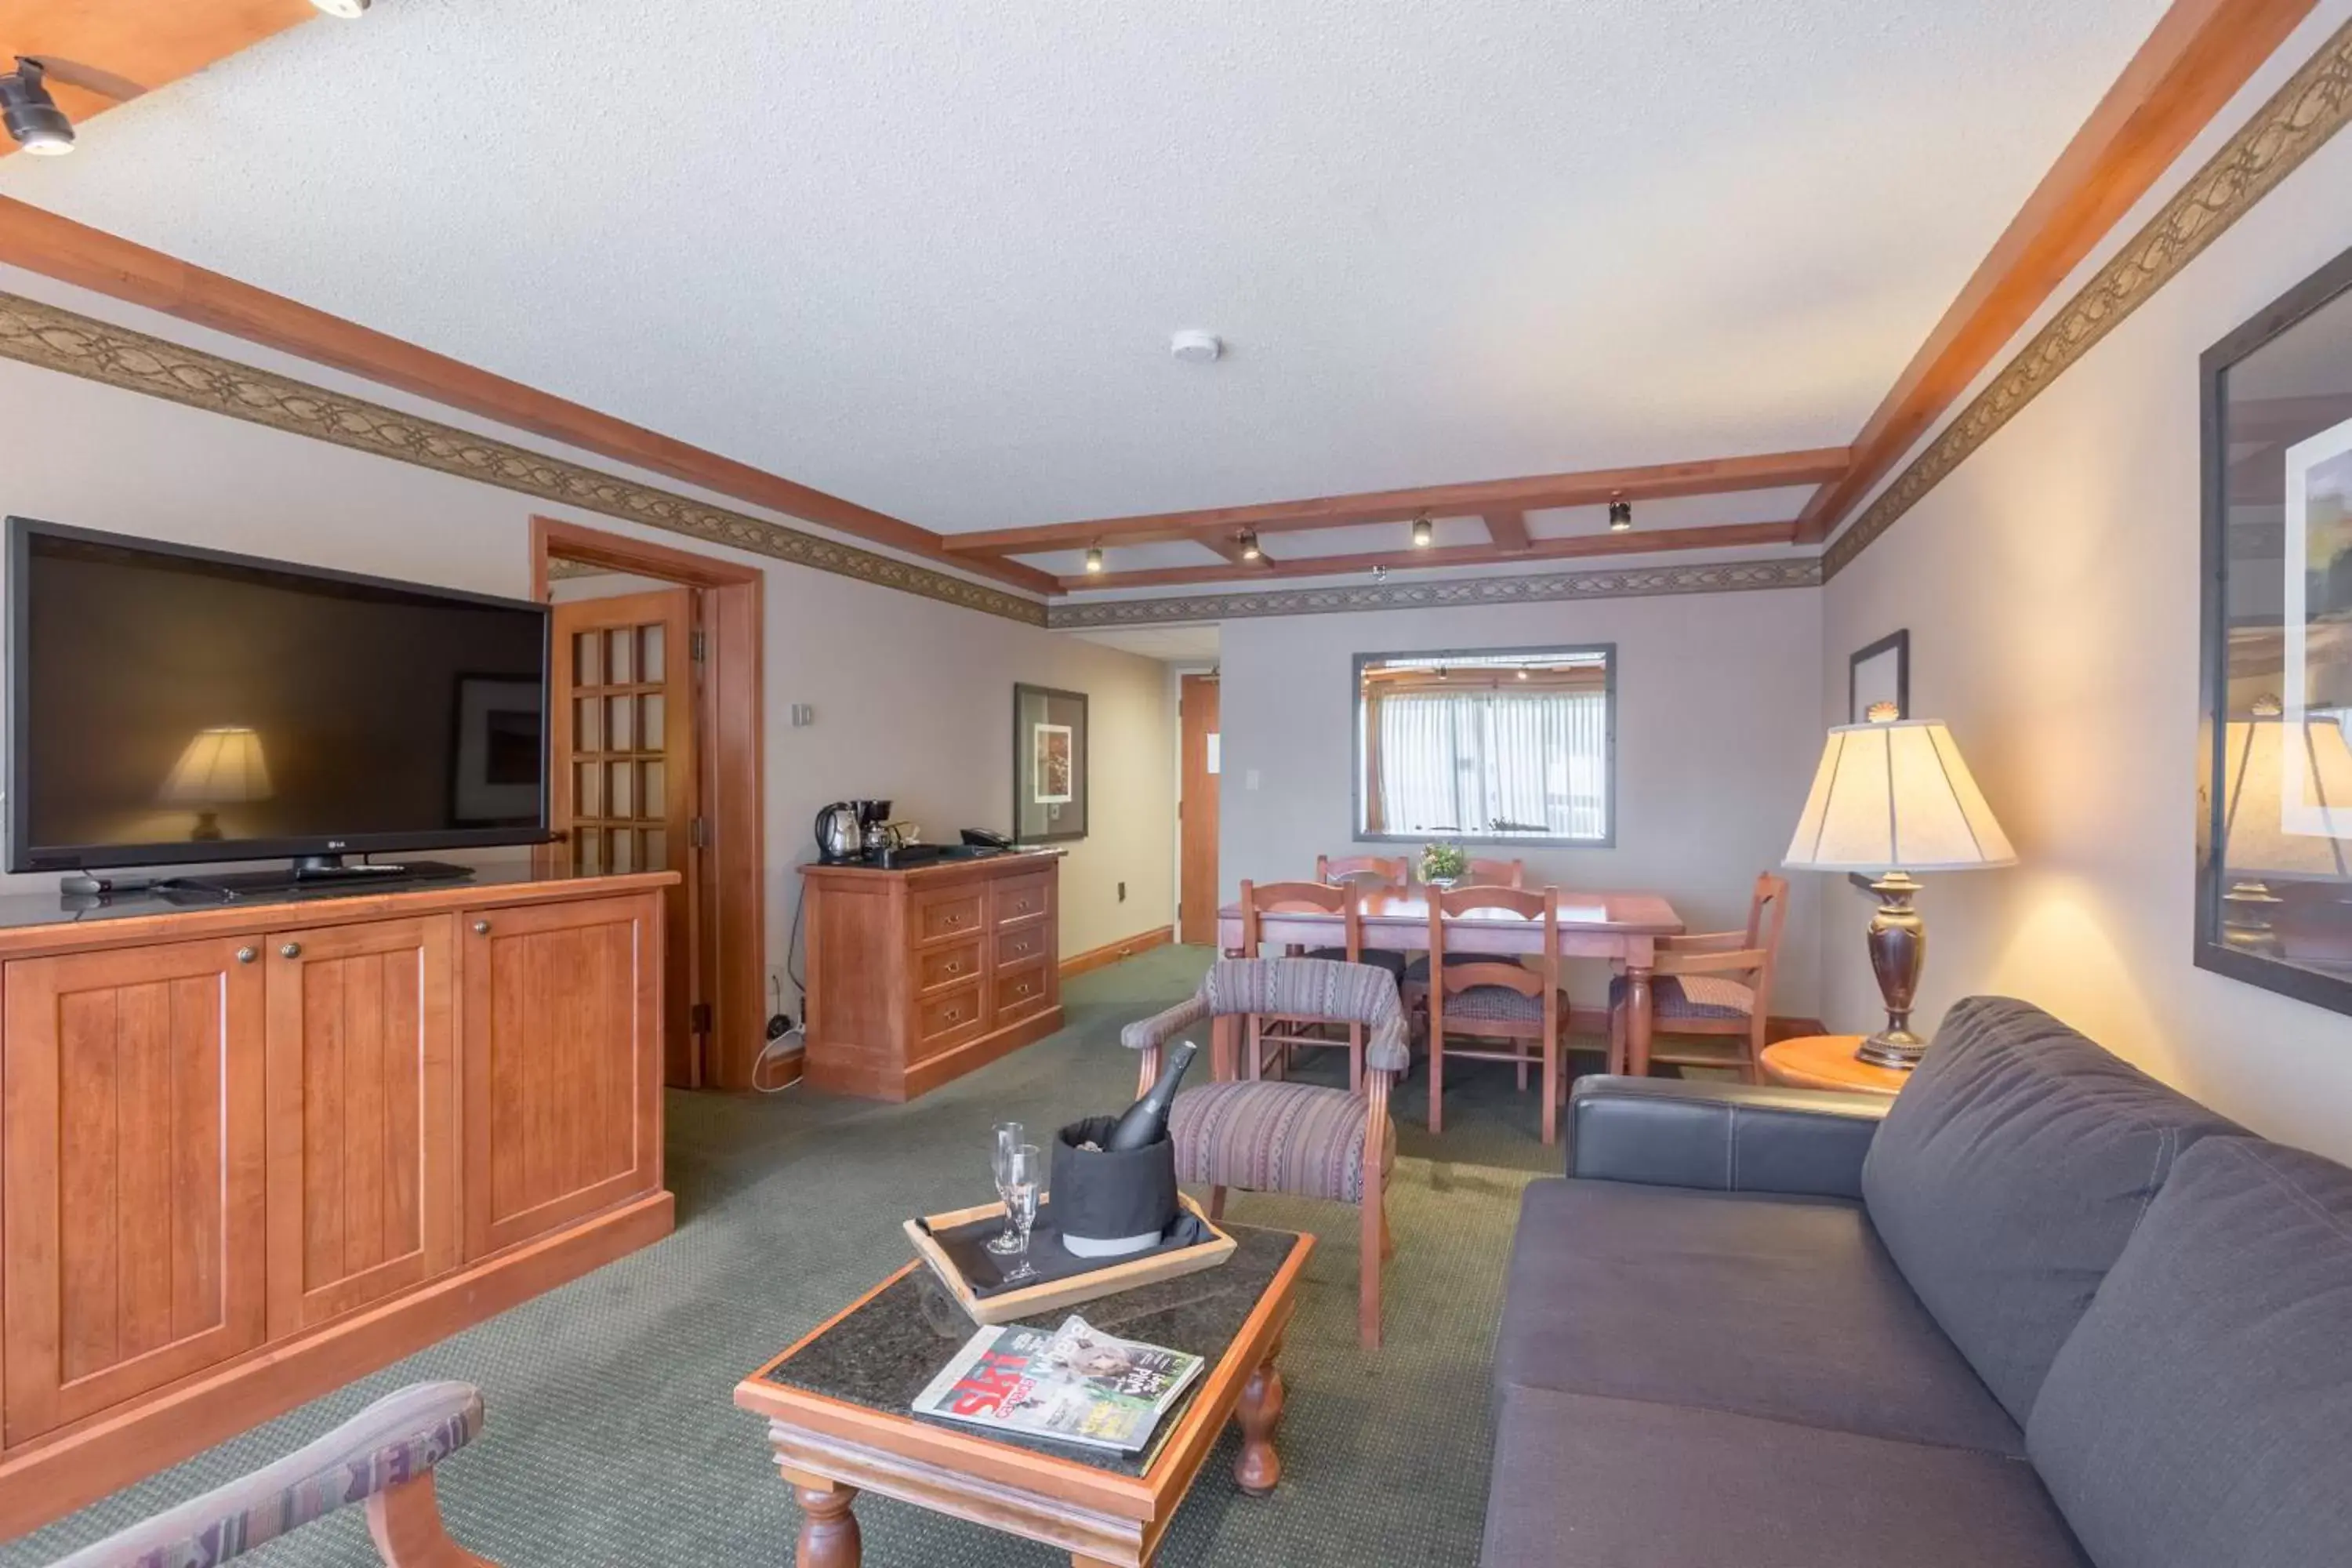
221,766
2255,842
1891,797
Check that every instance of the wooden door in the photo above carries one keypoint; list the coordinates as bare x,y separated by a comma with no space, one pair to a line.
562,1064
626,776
1196,898
132,1120
362,1116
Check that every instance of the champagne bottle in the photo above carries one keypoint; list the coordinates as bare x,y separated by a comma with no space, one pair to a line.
1143,1123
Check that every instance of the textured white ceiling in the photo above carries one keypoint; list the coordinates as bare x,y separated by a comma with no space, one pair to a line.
927,256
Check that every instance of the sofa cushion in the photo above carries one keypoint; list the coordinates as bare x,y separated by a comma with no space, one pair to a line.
2198,1416
2009,1175
1767,1306
1585,1482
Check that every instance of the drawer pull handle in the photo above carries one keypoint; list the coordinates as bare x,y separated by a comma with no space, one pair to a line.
246,956
292,950
481,928
955,966
953,1014
1022,989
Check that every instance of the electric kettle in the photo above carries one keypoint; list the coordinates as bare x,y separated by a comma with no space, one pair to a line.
839,835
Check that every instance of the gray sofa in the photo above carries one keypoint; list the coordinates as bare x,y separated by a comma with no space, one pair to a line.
2044,1313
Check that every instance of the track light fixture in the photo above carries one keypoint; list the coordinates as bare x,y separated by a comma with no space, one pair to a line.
1247,540
1094,558
1422,531
31,115
1621,515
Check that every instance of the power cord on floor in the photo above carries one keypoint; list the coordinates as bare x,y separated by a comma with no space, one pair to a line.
785,1038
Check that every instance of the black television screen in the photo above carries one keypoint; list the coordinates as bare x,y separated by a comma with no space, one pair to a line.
171,705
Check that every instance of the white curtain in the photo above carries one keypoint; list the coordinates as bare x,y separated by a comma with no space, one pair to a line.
1494,762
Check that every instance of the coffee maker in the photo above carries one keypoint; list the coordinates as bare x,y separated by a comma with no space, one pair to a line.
852,830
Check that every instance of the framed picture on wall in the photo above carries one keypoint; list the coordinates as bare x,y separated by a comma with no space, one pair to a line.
2275,769
1879,678
1049,764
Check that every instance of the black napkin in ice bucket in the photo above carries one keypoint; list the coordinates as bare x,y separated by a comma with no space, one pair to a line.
1104,1196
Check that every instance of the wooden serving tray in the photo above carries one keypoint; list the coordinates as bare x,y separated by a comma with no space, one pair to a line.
1052,1295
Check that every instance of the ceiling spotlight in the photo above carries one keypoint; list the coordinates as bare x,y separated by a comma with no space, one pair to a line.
1523,674
1422,531
344,10
32,116
1247,540
1621,515
1094,558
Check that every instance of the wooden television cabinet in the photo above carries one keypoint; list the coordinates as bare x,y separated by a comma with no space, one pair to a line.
250,1151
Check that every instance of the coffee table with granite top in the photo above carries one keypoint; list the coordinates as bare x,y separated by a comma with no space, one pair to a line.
837,1405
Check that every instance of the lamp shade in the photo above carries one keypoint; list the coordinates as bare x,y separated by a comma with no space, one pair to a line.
2255,836
1896,796
219,767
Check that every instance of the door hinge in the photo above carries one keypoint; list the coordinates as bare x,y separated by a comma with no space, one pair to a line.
697,646
698,1018
698,833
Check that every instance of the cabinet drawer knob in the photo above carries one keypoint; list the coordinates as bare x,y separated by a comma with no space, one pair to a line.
292,950
955,966
1022,989
481,928
247,954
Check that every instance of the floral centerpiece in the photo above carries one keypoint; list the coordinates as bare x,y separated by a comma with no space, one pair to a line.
1441,863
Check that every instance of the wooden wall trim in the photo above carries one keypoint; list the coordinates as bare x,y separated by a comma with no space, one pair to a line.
2296,122
55,247
1628,583
56,339
1112,952
2200,54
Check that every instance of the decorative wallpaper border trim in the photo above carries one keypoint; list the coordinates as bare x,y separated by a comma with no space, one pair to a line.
2297,122
1723,577
60,340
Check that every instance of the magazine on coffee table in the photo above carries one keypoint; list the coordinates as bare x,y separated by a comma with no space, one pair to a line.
1075,1383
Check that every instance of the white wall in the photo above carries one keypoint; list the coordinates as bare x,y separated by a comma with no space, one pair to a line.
1717,708
913,698
2051,588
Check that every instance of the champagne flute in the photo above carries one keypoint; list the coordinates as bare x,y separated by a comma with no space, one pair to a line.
1022,1191
1009,1137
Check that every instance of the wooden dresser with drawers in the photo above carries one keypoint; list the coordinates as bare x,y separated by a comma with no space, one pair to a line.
918,976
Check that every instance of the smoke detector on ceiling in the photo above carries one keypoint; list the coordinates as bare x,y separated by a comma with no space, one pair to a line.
1194,346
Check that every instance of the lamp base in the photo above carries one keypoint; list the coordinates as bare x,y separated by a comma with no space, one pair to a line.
1899,950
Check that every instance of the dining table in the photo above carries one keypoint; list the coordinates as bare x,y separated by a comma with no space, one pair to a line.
1622,928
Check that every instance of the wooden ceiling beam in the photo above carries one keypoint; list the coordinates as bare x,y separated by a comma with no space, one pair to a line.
2201,53
1711,476
1508,529
149,44
53,246
1723,536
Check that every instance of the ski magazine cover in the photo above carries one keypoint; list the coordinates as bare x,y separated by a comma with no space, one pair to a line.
1075,1382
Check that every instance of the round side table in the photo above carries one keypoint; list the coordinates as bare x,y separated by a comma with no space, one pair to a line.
1827,1061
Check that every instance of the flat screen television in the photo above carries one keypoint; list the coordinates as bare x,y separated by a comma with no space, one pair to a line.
168,706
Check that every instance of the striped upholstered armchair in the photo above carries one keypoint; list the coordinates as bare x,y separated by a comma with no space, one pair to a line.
1270,1136
384,1457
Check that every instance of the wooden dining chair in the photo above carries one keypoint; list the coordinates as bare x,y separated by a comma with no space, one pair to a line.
1302,1138
1710,988
1259,899
1516,1001
1367,867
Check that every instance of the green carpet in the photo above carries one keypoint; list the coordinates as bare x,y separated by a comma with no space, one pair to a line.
611,1438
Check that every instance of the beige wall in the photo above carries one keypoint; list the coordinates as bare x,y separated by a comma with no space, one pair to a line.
913,698
1717,702
2051,588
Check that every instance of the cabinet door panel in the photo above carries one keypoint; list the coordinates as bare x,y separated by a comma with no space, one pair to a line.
362,1102
561,1064
134,1250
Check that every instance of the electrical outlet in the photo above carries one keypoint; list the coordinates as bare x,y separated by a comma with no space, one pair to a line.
1122,892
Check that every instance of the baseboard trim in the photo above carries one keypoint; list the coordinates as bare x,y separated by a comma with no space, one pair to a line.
1112,952
59,1472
